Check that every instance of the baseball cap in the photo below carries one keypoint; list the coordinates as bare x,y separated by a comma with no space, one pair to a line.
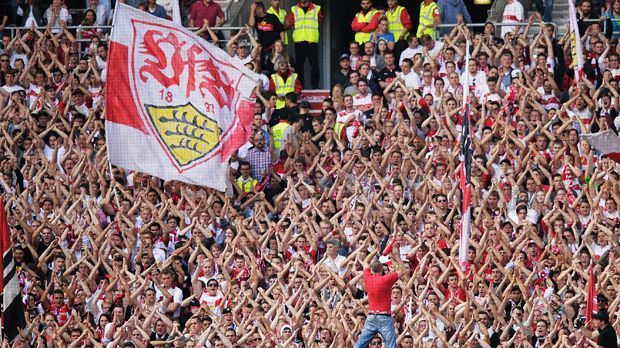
602,315
285,327
244,44
344,56
515,73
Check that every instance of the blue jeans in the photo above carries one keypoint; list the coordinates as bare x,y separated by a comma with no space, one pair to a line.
381,324
548,8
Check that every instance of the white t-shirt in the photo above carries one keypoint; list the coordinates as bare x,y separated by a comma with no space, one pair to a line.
412,80
177,297
436,50
245,60
409,53
361,102
11,89
336,265
15,56
63,15
213,302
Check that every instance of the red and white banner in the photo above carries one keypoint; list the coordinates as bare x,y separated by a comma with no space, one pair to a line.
315,97
11,309
177,107
607,143
591,304
465,171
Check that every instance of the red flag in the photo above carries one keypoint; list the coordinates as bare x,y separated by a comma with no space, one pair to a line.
12,306
591,306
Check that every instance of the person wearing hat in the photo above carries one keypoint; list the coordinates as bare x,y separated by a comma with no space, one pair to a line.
240,49
341,76
604,333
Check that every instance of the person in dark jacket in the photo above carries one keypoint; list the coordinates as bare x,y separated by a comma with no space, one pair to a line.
341,76
30,11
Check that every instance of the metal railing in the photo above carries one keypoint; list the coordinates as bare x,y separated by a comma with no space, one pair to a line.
106,29
496,25
603,20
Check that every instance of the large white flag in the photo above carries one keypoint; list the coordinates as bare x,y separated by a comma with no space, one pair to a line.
177,107
607,143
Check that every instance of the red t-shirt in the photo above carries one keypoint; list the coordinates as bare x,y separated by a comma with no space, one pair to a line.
379,288
199,12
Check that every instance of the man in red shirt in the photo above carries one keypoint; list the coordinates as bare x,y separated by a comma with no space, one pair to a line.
206,10
379,286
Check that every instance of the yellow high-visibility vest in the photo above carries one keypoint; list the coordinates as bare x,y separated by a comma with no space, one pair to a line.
283,88
278,133
306,24
394,24
427,18
362,37
246,185
281,14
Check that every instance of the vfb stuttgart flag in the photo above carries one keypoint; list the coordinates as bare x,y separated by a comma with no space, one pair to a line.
177,107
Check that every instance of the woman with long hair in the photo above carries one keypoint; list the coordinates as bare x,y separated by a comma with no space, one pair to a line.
88,28
277,54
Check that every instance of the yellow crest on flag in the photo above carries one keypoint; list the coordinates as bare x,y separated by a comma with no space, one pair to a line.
573,50
187,133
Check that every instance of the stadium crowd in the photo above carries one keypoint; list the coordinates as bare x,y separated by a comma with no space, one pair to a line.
114,258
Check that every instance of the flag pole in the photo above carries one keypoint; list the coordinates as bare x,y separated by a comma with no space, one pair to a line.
118,204
176,12
465,157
